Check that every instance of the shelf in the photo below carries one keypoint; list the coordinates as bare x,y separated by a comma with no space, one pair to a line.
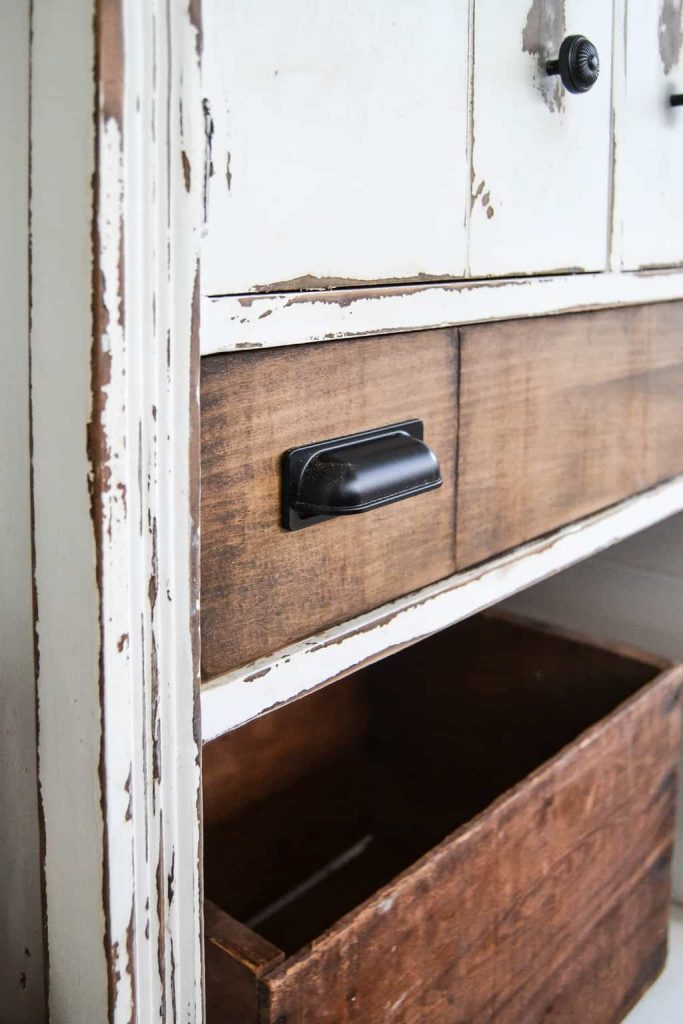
239,696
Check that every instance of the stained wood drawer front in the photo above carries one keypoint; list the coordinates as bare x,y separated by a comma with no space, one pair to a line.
264,587
487,836
338,142
649,137
541,156
562,416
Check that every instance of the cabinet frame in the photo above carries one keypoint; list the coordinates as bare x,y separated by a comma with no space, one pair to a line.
117,149
116,209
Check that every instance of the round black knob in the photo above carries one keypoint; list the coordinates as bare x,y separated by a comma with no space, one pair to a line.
677,101
578,64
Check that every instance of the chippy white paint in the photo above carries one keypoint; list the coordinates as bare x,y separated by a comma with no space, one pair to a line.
242,695
648,209
22,996
119,768
541,156
263,321
337,139
152,766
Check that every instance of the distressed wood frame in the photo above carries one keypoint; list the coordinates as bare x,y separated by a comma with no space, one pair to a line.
116,214
233,323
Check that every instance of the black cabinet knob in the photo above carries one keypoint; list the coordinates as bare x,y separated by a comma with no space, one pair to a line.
677,101
578,64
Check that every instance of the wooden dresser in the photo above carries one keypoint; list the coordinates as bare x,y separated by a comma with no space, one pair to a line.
279,264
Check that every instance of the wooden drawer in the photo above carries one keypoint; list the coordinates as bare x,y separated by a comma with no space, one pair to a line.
541,156
337,143
485,842
649,137
562,416
264,587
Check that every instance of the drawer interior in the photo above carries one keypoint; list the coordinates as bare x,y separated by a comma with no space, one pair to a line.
313,808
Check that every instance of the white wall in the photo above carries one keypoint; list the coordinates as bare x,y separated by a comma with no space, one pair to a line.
632,593
21,938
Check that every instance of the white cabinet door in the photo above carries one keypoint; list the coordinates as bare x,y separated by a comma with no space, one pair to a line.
541,155
649,137
338,142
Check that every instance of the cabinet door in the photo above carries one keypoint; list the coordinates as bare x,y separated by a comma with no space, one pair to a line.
649,137
338,142
541,155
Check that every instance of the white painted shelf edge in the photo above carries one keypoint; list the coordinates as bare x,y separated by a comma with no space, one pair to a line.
662,1004
241,695
238,322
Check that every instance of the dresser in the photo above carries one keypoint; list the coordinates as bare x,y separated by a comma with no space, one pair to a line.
333,327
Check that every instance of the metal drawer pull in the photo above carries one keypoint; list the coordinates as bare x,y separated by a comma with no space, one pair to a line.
578,64
356,473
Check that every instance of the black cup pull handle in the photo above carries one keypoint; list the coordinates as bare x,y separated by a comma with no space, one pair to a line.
677,101
357,473
578,64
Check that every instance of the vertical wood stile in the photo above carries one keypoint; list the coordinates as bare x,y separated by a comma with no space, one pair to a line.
119,746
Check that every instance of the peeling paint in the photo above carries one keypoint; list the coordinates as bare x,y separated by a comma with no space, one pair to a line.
208,156
670,31
234,323
257,675
187,171
309,282
171,881
544,30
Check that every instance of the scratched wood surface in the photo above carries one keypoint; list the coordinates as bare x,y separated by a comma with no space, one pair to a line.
262,586
563,416
550,898
336,143
648,209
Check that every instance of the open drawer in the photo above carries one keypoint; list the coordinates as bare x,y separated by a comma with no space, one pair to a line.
478,828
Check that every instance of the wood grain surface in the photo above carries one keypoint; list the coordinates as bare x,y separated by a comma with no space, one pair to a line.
562,416
264,587
515,793
261,759
234,961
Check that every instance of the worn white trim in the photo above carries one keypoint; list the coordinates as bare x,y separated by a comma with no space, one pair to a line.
150,211
114,390
234,322
242,695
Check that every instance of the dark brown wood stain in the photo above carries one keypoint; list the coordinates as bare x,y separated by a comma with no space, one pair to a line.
562,416
496,822
263,587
